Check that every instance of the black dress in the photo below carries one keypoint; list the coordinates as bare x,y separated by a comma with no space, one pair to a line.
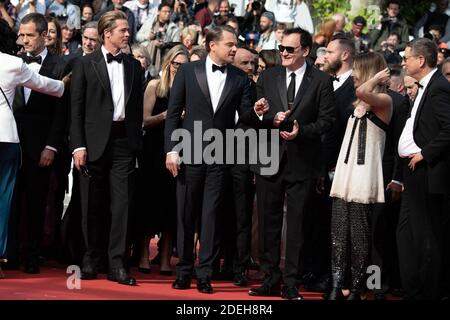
161,184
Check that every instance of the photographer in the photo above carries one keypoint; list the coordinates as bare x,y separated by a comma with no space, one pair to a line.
362,41
393,22
389,51
252,16
155,33
66,12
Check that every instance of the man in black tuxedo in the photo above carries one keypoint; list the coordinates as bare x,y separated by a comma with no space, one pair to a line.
211,92
41,122
338,62
424,146
105,136
301,103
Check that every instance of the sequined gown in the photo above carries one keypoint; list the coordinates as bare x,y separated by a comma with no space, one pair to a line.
357,184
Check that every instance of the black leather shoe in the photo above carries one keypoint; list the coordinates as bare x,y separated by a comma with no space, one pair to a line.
181,283
291,293
31,268
354,295
336,294
204,286
264,291
240,280
167,273
121,276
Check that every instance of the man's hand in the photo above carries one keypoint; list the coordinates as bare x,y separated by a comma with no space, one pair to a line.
47,157
290,135
79,159
280,117
261,106
173,163
415,159
66,79
396,191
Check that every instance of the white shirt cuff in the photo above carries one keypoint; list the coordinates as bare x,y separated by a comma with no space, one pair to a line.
260,117
51,148
397,182
78,149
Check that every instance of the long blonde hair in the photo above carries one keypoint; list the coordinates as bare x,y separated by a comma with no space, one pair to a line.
368,65
163,87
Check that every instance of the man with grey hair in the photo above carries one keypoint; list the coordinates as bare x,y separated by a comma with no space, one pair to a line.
340,21
90,43
424,146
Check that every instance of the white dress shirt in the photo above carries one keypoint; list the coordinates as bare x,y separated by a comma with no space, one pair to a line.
406,144
299,73
342,78
216,82
36,67
14,72
116,80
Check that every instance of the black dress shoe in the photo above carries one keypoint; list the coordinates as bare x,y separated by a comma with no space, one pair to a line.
240,280
204,286
264,291
336,294
291,293
354,295
182,283
121,276
32,268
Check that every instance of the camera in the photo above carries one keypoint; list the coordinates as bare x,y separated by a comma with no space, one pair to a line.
159,35
256,5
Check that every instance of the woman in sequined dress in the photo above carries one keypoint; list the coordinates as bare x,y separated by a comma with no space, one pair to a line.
358,180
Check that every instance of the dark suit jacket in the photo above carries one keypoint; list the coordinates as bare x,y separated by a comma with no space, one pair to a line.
392,169
432,132
42,121
332,141
71,58
190,91
313,109
93,108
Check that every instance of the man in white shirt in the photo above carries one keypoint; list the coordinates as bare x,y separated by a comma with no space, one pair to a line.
267,38
424,146
211,92
105,133
42,135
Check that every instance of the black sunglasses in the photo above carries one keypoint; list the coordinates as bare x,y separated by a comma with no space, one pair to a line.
288,49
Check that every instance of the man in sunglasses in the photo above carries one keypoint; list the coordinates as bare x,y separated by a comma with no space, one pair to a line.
301,103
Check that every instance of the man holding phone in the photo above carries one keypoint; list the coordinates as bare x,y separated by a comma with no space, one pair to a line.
302,109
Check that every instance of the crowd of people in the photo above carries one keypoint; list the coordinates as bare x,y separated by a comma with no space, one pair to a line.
362,148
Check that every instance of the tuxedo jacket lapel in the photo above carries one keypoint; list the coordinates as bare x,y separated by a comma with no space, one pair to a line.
99,67
227,87
128,74
424,98
282,89
200,74
306,81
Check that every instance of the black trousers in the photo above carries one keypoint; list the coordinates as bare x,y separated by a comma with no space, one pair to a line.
32,190
200,194
243,193
271,193
105,195
418,237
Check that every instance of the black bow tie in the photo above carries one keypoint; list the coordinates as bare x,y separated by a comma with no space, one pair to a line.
110,58
419,85
220,68
335,78
30,59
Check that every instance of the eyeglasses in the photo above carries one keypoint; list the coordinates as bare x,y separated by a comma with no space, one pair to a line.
289,50
175,64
